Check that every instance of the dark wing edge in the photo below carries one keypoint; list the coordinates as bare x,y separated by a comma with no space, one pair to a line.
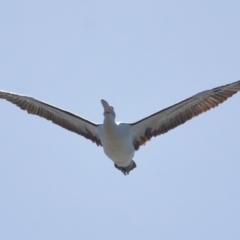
179,113
58,116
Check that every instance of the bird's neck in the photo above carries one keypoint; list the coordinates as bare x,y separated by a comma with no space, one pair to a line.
109,121
109,126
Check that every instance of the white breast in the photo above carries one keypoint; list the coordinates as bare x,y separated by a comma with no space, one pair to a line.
117,142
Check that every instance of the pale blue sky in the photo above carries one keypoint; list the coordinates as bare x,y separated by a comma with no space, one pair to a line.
141,56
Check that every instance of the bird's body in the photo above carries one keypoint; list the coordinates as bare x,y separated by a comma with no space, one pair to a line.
121,140
117,141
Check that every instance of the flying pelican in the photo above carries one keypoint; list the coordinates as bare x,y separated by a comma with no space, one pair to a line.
121,140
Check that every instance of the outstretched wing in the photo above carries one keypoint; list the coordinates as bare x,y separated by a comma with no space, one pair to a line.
58,116
171,117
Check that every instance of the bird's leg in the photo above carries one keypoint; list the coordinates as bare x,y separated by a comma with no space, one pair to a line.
126,170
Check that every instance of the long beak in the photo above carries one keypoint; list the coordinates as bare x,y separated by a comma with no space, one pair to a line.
106,106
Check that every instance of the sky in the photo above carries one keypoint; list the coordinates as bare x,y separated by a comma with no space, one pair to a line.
140,56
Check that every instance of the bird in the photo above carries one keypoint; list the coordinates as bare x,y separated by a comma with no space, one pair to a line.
121,140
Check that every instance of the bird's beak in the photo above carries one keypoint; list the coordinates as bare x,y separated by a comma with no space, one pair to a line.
106,106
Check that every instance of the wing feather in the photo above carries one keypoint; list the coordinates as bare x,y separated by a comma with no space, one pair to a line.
58,116
171,117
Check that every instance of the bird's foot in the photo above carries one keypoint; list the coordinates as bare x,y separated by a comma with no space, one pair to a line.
126,170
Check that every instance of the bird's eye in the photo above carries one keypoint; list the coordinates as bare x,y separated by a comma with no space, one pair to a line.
112,108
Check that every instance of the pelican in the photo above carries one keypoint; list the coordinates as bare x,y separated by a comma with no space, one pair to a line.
121,140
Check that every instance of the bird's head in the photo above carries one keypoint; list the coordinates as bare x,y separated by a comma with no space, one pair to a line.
108,109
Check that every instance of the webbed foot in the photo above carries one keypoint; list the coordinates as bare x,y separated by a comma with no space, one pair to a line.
126,170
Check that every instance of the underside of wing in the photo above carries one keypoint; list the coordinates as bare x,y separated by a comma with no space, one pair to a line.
171,117
58,116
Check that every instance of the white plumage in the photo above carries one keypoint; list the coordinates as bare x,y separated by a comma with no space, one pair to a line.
120,141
